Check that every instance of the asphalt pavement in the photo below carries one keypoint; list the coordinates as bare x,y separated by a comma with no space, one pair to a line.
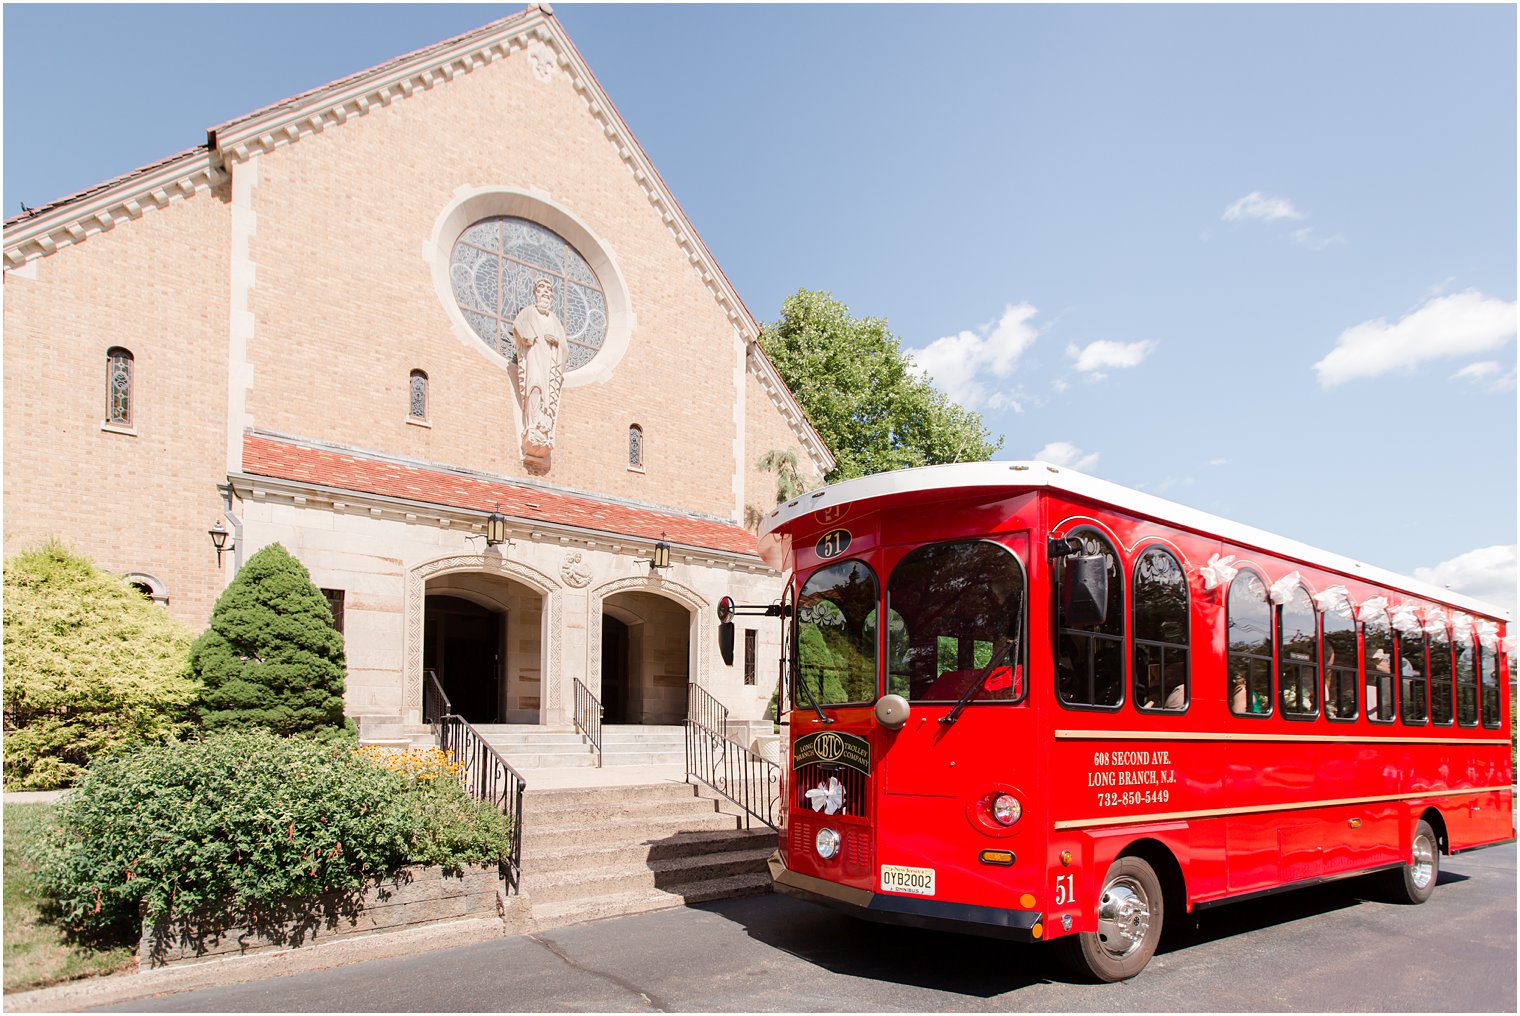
1335,948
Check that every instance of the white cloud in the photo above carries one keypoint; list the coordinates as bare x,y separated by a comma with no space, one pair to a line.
1265,207
1477,371
1064,453
959,364
1100,355
1487,573
1481,372
1217,462
1307,237
1458,325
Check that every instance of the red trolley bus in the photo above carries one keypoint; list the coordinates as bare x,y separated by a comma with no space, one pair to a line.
1028,703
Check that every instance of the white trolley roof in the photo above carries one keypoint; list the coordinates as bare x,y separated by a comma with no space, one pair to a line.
1031,475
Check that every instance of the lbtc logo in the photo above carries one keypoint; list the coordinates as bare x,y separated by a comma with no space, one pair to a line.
829,747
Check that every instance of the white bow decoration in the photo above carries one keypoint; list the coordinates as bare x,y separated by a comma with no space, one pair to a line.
1372,605
1462,627
1218,572
1508,645
1488,634
1282,589
1405,619
1335,598
827,797
1435,621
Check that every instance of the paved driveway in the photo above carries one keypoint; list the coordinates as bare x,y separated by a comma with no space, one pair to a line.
1335,948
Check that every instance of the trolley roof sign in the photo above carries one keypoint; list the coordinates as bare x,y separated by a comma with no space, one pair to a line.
833,508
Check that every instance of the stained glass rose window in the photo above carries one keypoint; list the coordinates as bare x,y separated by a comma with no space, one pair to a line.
493,268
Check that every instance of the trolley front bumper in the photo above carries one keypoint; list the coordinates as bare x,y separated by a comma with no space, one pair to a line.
910,911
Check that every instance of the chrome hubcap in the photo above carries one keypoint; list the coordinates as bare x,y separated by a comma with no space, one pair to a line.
1124,917
1422,868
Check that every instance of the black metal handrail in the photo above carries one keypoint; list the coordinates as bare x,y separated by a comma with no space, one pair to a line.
588,718
748,780
486,775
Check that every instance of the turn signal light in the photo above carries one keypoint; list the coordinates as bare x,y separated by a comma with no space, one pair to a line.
1004,857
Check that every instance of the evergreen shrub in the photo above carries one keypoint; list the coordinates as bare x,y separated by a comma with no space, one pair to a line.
90,664
248,819
271,657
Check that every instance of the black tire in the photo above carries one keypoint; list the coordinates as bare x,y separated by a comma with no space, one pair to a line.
1414,881
1131,909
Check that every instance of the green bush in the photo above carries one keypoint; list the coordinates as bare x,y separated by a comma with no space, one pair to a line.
90,664
248,819
271,657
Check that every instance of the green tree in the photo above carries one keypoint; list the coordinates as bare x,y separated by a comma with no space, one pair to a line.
783,462
271,657
871,406
90,664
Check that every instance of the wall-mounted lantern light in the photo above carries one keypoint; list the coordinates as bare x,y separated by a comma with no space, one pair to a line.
661,557
496,529
219,534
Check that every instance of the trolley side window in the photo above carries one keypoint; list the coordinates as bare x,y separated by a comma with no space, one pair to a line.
836,636
1413,687
1489,671
1440,679
1467,682
1378,656
1090,659
1249,620
956,615
1341,671
1161,633
1298,656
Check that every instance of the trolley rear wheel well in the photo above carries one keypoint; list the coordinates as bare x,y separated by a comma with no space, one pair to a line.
1173,883
1437,826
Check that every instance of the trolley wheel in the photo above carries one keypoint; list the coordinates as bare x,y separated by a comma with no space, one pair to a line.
1414,881
1130,911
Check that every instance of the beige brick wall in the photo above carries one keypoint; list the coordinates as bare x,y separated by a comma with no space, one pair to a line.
765,429
158,286
346,307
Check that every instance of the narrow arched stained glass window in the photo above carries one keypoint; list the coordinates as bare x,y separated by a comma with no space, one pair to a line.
493,269
119,386
419,395
636,447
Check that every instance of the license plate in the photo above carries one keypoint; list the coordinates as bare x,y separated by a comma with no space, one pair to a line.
896,878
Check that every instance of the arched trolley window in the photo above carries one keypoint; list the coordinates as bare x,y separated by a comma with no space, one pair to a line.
956,621
1298,656
1414,686
1089,634
1340,660
1379,665
1464,664
1441,701
1249,622
835,644
1488,673
1160,600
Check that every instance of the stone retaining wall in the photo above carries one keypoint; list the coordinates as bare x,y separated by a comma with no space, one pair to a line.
415,896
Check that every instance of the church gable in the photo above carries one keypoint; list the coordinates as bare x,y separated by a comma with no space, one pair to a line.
416,194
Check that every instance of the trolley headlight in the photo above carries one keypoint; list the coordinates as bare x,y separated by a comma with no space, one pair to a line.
1006,809
826,843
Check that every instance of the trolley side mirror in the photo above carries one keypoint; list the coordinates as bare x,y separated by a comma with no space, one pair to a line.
1084,592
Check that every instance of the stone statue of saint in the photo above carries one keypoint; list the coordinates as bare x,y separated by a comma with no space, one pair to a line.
542,352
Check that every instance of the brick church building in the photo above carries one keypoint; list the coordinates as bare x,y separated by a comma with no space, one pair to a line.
357,325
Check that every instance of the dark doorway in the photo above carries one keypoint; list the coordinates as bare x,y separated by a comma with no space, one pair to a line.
614,670
462,641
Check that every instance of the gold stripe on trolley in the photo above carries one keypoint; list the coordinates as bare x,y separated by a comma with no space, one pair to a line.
1175,816
1161,735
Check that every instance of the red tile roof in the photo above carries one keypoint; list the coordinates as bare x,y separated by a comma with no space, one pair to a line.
264,456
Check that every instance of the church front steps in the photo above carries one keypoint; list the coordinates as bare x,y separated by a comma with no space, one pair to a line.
594,852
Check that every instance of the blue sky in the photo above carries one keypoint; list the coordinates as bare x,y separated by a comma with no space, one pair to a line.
1259,260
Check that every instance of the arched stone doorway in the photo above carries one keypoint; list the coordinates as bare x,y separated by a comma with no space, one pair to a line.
482,634
646,658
